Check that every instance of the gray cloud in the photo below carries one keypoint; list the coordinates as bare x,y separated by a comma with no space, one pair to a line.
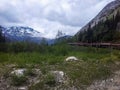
9,17
49,16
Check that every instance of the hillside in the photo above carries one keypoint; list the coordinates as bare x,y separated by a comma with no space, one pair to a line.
105,27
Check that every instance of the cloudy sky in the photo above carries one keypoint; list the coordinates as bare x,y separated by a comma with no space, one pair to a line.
49,16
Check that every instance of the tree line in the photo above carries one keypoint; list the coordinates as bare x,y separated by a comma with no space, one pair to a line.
103,31
2,37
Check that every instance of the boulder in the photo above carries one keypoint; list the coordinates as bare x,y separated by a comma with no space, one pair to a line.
18,72
59,76
71,58
22,88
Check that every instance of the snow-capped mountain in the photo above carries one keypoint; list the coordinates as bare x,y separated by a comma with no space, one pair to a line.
27,34
20,33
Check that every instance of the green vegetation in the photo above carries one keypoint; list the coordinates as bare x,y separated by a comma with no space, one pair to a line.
103,31
50,80
2,37
93,64
51,54
30,72
18,80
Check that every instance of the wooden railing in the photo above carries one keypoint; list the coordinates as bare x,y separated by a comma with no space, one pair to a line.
101,45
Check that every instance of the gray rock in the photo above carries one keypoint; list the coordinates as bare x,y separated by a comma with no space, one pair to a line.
18,72
59,76
71,58
22,88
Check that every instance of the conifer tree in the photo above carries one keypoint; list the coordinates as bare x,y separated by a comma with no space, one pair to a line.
2,37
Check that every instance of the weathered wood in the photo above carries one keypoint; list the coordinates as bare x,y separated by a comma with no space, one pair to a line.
101,45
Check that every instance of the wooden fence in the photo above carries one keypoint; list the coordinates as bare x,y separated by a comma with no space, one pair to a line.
99,45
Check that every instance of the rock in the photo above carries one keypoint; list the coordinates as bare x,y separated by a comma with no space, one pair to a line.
18,72
22,88
71,58
59,76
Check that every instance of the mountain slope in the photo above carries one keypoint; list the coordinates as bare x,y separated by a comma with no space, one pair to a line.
15,33
102,25
21,31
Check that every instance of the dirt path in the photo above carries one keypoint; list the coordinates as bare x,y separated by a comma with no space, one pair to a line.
112,83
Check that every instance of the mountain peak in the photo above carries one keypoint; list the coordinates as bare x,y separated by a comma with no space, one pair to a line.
105,12
105,27
21,31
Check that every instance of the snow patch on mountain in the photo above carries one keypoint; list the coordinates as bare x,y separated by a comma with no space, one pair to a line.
21,31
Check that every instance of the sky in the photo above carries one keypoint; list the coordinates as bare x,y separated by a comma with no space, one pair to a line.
49,16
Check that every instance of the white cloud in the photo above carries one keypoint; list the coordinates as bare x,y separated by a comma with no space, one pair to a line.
49,16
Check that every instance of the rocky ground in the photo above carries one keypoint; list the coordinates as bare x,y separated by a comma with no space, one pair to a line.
112,83
14,78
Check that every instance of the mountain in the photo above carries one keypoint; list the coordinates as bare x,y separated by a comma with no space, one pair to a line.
15,34
104,26
21,31
63,39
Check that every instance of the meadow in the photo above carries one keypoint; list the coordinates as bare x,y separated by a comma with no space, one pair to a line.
93,64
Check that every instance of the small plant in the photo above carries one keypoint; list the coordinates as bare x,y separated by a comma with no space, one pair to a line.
5,72
29,72
44,69
18,80
38,86
50,80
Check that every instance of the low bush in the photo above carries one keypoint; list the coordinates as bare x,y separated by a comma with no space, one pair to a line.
18,80
50,80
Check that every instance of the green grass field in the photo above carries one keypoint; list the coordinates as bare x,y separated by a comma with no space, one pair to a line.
93,63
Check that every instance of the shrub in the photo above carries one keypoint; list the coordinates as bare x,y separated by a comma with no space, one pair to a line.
50,80
18,80
30,72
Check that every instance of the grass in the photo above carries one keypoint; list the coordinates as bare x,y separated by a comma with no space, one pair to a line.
30,58
53,58
93,64
50,80
18,80
30,72
83,72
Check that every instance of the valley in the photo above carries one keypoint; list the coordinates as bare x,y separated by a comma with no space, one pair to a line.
87,60
92,64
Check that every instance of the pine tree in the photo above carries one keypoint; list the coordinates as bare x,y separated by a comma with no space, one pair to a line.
2,37
89,34
117,17
59,34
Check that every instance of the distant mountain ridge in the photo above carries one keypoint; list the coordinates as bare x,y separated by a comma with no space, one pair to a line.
20,33
27,34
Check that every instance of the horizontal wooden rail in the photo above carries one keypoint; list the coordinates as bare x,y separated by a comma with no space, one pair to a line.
104,45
